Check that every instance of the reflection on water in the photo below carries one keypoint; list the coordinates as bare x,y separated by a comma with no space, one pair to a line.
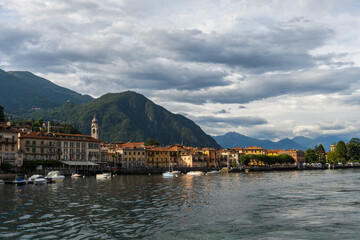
265,205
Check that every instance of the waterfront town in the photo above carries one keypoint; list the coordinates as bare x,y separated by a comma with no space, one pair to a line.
19,144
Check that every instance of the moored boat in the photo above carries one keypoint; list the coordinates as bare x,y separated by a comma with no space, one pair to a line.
40,180
76,175
195,173
103,176
2,181
55,176
32,178
213,172
168,175
20,180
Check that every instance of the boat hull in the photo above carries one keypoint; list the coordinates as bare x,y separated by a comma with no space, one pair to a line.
103,176
40,182
195,173
168,175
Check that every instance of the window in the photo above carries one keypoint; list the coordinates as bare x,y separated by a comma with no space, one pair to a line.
71,144
83,145
65,144
34,143
27,142
77,144
33,150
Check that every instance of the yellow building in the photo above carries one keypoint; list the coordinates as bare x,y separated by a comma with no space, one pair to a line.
159,156
132,155
255,150
193,159
9,149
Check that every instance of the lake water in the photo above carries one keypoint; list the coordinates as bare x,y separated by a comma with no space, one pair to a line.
269,205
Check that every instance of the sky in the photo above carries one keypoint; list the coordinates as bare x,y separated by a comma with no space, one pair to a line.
266,69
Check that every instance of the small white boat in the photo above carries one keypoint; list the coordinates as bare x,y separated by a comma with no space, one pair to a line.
195,173
168,175
176,172
40,180
55,176
2,181
20,180
103,176
76,175
33,177
213,172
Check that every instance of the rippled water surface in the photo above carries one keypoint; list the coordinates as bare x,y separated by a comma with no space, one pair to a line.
270,205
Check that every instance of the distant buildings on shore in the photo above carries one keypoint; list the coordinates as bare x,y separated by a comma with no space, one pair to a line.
19,144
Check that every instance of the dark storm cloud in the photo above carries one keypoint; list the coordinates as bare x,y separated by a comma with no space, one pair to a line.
13,39
285,46
170,76
229,121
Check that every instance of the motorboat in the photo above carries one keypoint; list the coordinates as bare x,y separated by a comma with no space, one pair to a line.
32,178
55,176
213,172
195,173
2,181
74,175
40,180
168,175
103,176
176,172
20,180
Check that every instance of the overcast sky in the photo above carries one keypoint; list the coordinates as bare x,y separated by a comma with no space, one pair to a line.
266,69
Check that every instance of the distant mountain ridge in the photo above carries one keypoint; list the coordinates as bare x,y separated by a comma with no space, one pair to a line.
22,92
130,116
233,139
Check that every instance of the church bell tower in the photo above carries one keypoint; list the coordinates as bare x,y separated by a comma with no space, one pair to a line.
95,128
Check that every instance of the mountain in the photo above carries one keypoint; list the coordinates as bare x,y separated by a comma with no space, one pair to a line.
326,141
22,92
130,116
233,139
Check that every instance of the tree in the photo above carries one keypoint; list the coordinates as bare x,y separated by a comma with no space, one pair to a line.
284,158
353,149
333,157
2,115
320,153
244,160
310,156
151,142
341,151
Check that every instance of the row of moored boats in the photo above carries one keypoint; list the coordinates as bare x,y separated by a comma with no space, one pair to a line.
191,173
53,177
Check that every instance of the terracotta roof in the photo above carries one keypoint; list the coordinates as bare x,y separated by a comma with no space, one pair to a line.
237,149
254,148
134,145
59,136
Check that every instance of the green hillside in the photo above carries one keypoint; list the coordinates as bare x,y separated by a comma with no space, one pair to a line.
130,116
21,92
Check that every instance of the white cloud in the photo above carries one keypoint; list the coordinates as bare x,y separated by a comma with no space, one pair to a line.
293,64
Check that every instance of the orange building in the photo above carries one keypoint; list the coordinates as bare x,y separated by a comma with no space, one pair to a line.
298,155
